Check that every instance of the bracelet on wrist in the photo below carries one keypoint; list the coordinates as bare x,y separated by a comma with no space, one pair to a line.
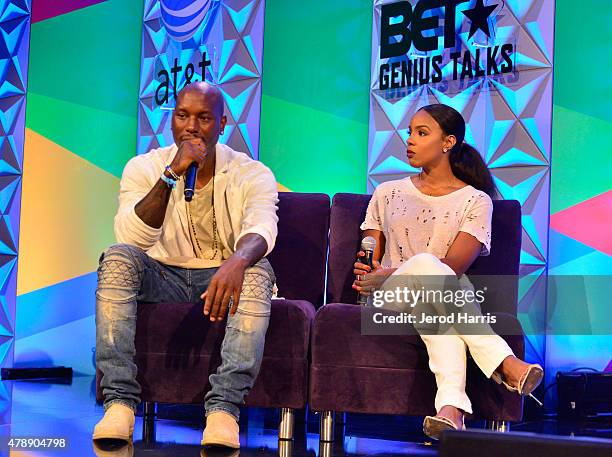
169,181
174,176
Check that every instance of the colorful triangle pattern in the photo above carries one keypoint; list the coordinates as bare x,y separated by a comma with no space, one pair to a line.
232,38
14,51
58,185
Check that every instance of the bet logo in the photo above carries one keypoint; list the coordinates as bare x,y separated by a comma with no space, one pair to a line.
420,25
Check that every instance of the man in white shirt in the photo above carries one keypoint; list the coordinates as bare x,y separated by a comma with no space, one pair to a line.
211,249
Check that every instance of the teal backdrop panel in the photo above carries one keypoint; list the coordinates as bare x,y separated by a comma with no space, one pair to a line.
582,119
315,96
581,195
81,118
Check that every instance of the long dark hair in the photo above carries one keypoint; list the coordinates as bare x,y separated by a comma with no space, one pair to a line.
465,161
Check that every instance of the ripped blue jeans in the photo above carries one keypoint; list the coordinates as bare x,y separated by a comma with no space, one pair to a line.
127,276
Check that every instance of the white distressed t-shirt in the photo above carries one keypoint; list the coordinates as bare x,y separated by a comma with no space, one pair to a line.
413,222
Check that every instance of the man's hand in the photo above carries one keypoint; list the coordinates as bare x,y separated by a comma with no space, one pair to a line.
190,151
152,208
227,281
225,284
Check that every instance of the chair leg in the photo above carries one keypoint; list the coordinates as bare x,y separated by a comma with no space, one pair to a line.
148,422
332,449
326,449
326,431
285,427
498,426
285,448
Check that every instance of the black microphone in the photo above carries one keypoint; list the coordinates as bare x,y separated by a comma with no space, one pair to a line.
190,181
368,244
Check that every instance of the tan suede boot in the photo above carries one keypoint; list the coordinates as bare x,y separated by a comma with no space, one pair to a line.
117,423
221,430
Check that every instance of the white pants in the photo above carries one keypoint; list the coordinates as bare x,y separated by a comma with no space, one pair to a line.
447,353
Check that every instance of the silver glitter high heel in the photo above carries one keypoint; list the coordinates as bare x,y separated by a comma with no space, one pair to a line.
433,426
527,383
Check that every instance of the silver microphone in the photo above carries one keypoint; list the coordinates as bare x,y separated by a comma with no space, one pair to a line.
368,244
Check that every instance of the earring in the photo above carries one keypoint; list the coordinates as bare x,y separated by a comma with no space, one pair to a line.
444,150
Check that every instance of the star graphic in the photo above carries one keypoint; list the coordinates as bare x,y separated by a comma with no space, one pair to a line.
479,15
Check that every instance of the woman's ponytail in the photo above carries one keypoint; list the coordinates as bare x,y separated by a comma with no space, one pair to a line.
466,163
468,166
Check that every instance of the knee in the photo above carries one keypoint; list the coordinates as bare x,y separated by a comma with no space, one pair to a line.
121,252
425,264
121,265
258,283
263,270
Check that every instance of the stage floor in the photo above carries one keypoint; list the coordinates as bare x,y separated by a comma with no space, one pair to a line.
69,411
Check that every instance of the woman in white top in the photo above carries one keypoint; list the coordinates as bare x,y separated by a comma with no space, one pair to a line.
437,223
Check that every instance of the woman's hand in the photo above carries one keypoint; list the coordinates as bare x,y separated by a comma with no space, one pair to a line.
361,268
368,279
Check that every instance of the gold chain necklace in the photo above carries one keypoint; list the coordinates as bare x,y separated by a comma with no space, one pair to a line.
215,245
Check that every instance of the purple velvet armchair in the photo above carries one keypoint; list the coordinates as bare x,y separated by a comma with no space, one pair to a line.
351,372
177,348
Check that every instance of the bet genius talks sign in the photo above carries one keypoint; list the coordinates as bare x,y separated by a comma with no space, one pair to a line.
424,25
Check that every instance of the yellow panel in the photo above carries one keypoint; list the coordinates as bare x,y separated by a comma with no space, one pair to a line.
67,210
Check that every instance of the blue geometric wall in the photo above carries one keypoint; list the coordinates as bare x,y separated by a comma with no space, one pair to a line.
509,120
14,53
226,35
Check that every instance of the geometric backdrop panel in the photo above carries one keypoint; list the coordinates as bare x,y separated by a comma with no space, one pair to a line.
581,190
80,132
14,54
493,62
218,41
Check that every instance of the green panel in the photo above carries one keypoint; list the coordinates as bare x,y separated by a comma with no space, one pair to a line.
90,56
328,155
582,124
580,163
581,166
318,54
582,57
106,139
315,103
